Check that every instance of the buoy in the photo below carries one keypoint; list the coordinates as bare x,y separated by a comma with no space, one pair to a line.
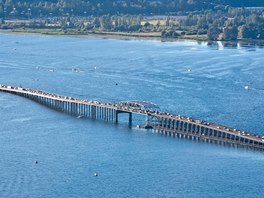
189,70
95,174
94,67
246,87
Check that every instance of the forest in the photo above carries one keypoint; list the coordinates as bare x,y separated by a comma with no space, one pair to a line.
217,19
100,7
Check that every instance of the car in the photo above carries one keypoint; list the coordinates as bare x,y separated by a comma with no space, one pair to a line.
198,121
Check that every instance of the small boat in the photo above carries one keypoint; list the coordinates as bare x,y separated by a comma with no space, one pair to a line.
247,87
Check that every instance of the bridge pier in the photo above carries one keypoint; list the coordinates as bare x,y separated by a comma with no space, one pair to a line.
117,112
130,118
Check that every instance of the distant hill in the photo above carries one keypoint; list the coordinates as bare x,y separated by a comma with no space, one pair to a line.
211,19
35,8
242,3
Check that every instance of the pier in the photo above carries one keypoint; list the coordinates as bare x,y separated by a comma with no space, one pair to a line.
161,122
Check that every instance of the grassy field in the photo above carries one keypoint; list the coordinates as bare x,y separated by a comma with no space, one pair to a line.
155,22
143,35
135,34
39,31
74,32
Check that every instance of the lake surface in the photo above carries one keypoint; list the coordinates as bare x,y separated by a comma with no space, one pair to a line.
182,77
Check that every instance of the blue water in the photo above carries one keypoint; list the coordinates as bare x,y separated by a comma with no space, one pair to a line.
129,162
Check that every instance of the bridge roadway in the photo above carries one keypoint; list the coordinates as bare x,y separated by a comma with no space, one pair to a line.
170,124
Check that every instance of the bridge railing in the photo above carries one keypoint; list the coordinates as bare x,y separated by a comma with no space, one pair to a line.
155,118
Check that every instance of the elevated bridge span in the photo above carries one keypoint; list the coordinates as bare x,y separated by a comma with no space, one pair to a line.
162,122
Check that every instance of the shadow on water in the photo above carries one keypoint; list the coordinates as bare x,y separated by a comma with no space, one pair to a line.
252,44
190,139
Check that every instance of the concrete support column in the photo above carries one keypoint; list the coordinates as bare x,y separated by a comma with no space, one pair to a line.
116,116
187,127
93,112
162,123
130,119
171,123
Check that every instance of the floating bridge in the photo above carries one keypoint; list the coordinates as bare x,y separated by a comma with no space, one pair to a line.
165,123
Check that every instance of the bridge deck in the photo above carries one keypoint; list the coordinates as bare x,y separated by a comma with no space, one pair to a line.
155,119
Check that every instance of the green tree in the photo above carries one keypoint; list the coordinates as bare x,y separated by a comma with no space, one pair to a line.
213,33
96,22
230,33
105,22
167,23
247,32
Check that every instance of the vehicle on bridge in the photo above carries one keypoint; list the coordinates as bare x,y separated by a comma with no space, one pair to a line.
138,105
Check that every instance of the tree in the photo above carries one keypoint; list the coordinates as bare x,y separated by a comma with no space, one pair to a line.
96,22
167,21
247,32
230,33
158,23
105,23
147,24
213,33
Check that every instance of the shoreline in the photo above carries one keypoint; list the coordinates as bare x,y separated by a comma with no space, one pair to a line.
55,32
154,36
111,35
